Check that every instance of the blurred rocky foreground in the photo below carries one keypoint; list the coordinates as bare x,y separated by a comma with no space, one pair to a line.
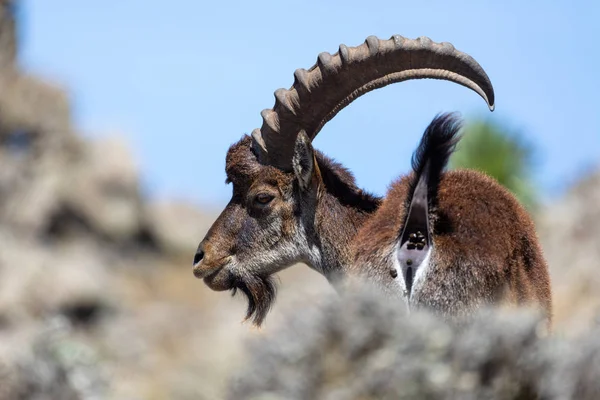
364,347
98,301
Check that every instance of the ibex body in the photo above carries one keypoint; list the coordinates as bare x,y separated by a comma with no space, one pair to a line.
291,204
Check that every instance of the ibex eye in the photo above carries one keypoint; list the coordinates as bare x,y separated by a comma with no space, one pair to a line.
263,198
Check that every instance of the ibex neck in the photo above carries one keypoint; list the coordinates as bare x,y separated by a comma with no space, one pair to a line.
336,225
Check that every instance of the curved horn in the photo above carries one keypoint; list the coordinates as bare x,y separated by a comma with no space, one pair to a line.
318,94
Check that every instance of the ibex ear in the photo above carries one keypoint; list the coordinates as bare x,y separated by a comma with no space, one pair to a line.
303,160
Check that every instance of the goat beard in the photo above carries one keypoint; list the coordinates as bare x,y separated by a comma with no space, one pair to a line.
260,292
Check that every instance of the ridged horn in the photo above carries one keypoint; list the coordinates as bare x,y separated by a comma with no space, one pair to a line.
319,93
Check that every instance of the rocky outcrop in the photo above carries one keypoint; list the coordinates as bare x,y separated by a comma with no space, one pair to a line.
80,246
97,298
570,233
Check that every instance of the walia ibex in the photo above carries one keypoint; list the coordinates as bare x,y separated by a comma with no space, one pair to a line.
448,241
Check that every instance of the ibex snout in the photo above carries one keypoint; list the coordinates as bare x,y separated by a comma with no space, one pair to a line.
210,267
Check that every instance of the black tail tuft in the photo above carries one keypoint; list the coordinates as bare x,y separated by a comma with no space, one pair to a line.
434,151
428,162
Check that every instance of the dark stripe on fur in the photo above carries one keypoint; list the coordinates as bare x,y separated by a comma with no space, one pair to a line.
340,182
431,157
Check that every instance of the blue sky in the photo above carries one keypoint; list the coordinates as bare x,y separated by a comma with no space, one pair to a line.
184,81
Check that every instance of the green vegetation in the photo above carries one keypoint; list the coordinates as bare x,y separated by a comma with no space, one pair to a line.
501,153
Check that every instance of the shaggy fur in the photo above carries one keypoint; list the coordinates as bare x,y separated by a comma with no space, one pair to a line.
484,245
485,249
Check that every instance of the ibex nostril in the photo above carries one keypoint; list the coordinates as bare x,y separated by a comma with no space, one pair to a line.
198,257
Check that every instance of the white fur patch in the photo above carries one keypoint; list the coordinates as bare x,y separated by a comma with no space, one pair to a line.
422,270
399,279
419,276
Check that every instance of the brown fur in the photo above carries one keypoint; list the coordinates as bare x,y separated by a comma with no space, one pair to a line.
485,246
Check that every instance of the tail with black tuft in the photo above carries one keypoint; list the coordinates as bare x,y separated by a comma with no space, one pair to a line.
428,162
434,151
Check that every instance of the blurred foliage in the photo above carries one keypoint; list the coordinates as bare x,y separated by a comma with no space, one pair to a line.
500,152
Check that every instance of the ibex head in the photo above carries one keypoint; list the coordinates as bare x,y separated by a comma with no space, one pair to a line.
292,204
261,230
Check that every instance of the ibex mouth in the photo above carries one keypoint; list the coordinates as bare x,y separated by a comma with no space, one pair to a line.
204,269
220,280
202,272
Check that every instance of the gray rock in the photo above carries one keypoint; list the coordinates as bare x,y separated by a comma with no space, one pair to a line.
102,188
177,226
